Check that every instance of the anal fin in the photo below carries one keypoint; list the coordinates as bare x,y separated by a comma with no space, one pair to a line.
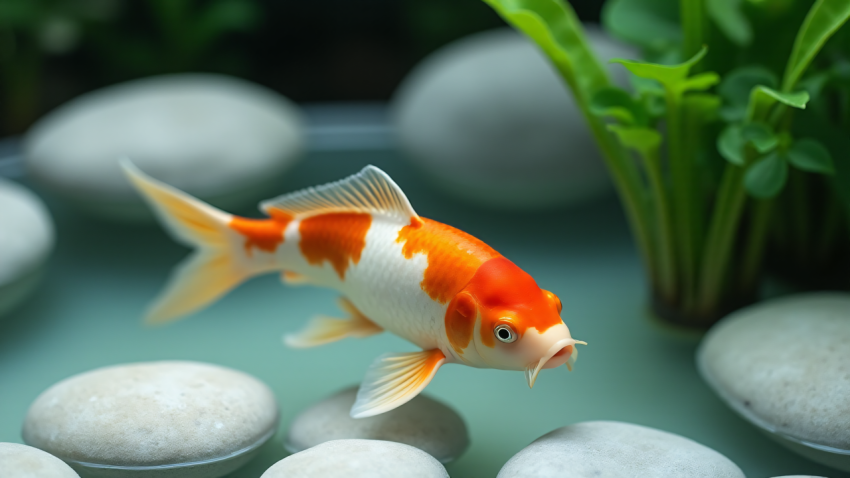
394,379
323,330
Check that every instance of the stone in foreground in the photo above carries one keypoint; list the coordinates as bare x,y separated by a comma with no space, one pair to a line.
156,419
615,449
26,239
423,423
219,138
784,365
21,461
358,459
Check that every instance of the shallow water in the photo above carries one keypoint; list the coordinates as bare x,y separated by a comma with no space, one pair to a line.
87,315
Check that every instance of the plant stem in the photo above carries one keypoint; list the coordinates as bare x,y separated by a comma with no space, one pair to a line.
756,240
692,13
664,229
721,237
629,187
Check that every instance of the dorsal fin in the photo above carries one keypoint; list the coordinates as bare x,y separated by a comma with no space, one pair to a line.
371,190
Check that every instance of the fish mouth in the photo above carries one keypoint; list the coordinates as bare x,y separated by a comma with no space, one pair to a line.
558,350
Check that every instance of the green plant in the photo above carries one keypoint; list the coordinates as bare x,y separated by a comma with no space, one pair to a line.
707,141
30,31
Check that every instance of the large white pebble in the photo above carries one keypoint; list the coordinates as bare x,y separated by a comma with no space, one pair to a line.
358,459
784,365
21,461
26,239
615,449
168,419
491,121
219,138
422,422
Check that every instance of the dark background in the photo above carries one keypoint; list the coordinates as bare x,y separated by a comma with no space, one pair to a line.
310,51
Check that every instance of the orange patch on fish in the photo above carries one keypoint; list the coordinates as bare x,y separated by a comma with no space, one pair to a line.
262,234
338,238
460,321
453,256
506,293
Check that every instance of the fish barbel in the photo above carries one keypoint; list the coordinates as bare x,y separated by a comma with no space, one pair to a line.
440,288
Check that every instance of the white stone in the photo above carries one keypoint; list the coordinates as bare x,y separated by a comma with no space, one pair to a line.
784,365
21,461
491,121
358,459
218,138
423,423
26,239
168,419
616,450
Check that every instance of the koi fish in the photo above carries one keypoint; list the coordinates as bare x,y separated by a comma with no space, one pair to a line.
442,289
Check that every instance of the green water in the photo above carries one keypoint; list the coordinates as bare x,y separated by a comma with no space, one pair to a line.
86,315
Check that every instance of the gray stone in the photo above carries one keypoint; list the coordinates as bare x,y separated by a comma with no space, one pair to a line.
358,459
26,239
491,121
616,450
784,365
21,461
219,138
423,423
166,419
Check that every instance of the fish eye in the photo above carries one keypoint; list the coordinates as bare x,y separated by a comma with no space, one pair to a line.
505,333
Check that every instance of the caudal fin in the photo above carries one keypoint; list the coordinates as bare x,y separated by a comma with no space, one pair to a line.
211,270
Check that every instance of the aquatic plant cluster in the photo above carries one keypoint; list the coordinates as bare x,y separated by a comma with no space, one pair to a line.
727,151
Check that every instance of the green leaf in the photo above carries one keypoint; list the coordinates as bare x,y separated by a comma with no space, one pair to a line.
812,156
701,82
736,87
730,145
763,98
553,25
767,176
613,102
221,17
645,141
823,20
651,24
729,18
761,136
671,76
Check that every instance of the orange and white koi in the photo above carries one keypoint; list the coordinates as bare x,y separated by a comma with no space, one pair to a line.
449,293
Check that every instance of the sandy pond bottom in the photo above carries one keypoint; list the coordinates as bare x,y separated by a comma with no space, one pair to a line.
87,315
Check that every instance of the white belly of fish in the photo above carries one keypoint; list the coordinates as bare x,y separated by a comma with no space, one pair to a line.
383,285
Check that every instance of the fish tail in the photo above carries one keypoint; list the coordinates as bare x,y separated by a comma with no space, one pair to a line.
212,270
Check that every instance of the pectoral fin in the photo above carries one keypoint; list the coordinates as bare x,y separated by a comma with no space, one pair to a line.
394,379
322,330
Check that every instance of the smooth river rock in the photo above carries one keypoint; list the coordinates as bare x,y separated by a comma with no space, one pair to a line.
616,450
26,240
423,423
784,365
358,459
166,419
219,138
489,119
21,461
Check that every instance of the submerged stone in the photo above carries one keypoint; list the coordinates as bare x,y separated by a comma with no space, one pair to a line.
423,423
26,239
218,138
21,461
614,449
358,459
188,419
784,365
490,120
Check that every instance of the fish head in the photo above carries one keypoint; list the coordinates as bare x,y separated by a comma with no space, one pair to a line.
517,325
